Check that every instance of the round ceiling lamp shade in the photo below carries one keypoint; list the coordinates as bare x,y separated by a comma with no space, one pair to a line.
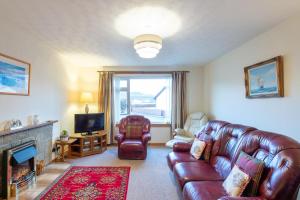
147,45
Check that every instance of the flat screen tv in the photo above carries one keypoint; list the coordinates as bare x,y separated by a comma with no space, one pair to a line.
89,123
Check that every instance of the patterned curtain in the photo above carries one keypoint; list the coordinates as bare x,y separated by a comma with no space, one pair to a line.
179,106
106,101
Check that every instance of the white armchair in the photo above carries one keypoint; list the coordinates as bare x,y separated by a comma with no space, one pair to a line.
192,127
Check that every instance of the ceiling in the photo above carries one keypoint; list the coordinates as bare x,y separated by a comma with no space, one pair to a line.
85,32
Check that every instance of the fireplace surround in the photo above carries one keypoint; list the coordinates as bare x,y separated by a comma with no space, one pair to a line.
18,168
41,133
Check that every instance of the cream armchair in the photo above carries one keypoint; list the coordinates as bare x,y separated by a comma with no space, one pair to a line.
192,127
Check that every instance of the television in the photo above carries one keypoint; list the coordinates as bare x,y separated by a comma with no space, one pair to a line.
89,123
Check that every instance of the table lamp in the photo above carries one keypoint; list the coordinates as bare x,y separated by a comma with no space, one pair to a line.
86,97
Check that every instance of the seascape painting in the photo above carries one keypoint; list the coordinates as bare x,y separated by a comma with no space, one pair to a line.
14,76
264,79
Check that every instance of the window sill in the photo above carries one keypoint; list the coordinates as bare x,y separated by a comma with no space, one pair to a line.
155,125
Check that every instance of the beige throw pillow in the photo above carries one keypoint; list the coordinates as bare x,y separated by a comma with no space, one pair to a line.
236,182
197,148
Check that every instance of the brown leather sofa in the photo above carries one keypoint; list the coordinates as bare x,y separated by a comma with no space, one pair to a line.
202,180
133,137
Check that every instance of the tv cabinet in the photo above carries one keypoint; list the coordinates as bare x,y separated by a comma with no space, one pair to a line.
86,145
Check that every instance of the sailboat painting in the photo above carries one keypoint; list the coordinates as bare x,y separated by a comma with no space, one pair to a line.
264,79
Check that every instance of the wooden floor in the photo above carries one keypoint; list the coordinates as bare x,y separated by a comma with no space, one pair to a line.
51,173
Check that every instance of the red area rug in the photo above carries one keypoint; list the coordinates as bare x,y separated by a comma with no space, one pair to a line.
89,183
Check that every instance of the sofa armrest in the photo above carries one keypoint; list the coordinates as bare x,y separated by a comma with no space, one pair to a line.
146,137
182,147
241,198
119,137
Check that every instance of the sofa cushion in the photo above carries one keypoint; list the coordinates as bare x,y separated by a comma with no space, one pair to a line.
236,182
197,148
177,157
254,168
195,171
208,139
203,190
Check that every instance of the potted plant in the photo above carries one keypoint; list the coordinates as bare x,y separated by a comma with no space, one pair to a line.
64,136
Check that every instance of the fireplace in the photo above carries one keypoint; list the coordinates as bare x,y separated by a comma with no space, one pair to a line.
18,168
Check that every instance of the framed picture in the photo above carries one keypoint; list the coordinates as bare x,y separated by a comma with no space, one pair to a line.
14,76
265,79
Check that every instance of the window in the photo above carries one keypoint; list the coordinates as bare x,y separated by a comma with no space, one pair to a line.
147,95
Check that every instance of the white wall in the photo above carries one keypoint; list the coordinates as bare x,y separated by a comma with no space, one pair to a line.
224,82
48,96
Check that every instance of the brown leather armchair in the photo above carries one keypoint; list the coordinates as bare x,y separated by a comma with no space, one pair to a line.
133,137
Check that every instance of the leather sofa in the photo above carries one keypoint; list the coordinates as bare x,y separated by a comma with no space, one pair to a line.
202,179
133,137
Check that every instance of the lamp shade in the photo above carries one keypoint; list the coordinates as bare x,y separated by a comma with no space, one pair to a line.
147,45
86,97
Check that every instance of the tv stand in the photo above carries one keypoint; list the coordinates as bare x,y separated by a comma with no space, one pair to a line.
86,145
87,133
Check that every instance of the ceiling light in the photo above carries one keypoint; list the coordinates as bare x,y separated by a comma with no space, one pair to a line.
151,20
147,45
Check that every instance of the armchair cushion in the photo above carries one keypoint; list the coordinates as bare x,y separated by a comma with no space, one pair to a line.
132,145
134,131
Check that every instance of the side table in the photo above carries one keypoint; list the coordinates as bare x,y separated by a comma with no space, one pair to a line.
62,144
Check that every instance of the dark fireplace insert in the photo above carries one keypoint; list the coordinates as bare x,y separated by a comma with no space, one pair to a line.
18,168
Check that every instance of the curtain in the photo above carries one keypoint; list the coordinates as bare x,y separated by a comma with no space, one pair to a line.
105,97
179,105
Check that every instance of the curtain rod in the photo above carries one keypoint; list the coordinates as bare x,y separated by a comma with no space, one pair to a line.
142,72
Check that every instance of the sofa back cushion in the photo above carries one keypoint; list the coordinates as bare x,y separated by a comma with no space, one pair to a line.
208,134
224,147
281,155
212,128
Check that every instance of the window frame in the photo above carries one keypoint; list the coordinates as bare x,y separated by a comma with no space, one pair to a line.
128,77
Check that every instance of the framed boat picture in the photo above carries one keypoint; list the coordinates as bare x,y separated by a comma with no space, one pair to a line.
265,79
14,76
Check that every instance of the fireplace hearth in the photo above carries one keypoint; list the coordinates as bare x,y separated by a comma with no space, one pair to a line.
18,168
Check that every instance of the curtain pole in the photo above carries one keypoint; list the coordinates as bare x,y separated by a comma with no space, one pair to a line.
143,72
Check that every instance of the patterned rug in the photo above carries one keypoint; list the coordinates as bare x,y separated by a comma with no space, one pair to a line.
89,183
